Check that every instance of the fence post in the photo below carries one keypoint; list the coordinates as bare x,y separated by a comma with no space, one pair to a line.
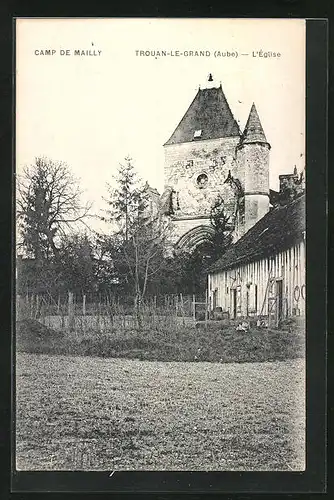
71,321
37,307
83,319
154,315
62,308
42,310
110,303
99,315
182,308
84,305
31,306
194,308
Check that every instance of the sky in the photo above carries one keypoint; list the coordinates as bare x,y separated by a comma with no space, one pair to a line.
91,111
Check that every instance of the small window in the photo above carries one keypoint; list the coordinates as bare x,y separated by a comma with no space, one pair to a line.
190,163
202,181
197,134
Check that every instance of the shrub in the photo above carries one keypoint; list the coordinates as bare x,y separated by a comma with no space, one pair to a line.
218,343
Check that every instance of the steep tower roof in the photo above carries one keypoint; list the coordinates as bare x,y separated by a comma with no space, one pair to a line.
208,117
253,131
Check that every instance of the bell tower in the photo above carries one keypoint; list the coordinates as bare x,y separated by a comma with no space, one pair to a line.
198,157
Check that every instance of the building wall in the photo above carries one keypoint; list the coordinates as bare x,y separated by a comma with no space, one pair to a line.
256,206
215,158
253,168
185,162
255,294
202,153
253,160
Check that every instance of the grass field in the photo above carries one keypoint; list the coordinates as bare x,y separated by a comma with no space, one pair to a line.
81,412
218,343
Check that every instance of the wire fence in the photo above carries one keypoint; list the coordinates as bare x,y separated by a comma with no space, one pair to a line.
70,312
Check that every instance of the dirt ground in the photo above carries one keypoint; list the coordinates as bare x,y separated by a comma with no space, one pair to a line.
79,413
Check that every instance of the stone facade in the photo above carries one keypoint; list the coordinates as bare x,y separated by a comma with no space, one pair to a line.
253,163
232,168
195,173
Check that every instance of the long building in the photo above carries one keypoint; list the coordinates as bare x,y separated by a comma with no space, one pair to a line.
263,273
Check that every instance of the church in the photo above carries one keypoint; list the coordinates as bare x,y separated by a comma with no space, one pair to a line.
208,158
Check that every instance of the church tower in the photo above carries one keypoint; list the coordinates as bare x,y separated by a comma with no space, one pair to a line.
253,170
207,159
199,156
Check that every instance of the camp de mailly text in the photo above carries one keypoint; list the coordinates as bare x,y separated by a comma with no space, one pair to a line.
67,52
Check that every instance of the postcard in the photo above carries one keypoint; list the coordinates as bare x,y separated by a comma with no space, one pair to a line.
160,245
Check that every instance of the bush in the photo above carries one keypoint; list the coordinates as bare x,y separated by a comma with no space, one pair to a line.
218,343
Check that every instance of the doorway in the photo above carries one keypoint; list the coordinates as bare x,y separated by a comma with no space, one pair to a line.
279,299
234,302
215,298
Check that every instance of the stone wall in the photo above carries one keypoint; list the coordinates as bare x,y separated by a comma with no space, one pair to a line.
253,161
196,172
253,165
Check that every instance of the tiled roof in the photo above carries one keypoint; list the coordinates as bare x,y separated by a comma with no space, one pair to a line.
253,130
209,113
278,230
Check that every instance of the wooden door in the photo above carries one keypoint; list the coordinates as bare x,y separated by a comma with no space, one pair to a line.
233,302
215,299
279,299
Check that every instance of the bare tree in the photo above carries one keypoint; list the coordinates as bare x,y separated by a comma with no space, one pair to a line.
144,254
48,206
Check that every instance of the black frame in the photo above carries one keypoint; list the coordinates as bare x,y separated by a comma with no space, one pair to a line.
314,478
